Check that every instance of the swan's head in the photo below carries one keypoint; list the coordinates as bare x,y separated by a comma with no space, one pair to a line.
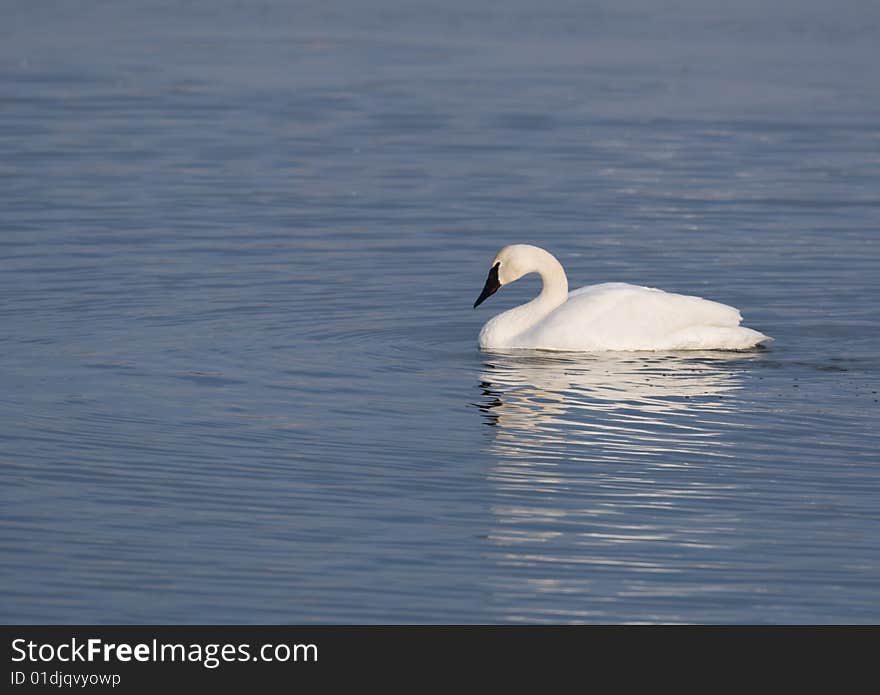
509,264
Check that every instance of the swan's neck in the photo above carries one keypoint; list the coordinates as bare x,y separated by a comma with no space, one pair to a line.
502,330
555,290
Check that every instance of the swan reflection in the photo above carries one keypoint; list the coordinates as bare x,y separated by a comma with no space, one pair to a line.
615,405
611,477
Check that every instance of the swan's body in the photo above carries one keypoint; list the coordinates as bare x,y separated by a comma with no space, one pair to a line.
609,316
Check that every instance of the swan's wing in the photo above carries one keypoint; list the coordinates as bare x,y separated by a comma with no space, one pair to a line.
617,301
619,316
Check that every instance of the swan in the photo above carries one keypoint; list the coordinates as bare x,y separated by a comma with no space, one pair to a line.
608,316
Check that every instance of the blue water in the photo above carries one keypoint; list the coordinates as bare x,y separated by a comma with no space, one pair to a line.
239,379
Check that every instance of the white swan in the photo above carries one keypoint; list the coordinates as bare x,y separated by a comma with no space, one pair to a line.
609,316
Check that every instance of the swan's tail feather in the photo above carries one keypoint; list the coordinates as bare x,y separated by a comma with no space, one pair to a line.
717,338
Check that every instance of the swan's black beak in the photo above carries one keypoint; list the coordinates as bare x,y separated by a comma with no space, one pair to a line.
491,287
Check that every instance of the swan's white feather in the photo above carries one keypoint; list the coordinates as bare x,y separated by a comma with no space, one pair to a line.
613,316
618,316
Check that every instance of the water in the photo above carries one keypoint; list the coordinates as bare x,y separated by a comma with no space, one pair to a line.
239,245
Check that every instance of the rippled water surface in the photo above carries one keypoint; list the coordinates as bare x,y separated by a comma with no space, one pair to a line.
239,245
